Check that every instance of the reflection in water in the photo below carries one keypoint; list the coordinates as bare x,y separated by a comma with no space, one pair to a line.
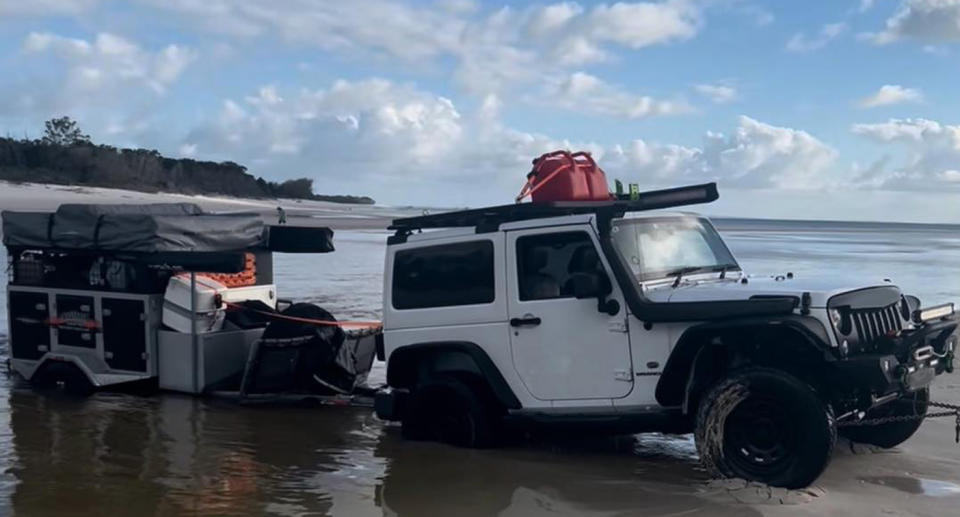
917,486
167,455
172,455
431,479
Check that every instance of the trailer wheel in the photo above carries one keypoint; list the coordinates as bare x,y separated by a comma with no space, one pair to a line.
893,433
765,425
447,410
64,377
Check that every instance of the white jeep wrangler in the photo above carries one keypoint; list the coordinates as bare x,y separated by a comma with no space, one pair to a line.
596,316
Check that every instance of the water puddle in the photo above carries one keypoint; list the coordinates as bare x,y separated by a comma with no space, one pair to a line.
918,486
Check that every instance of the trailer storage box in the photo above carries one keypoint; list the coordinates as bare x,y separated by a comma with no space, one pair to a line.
114,333
217,362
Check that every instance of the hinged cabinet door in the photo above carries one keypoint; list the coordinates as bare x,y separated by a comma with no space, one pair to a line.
29,331
124,334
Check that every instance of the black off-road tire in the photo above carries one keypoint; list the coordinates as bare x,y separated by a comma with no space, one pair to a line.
448,410
765,425
893,433
64,377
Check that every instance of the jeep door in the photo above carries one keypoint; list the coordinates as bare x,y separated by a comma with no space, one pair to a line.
564,347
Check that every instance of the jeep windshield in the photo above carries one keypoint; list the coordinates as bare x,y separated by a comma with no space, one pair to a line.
662,247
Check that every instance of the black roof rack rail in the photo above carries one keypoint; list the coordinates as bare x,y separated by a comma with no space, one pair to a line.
491,217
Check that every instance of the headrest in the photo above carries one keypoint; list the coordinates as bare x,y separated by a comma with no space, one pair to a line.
534,259
584,260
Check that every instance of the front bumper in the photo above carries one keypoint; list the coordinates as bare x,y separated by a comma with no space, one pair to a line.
915,357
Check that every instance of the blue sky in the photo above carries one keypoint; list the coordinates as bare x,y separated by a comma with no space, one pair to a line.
816,109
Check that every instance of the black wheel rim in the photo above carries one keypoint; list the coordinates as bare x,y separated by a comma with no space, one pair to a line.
761,437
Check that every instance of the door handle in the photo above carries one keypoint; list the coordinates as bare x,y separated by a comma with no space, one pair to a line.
525,322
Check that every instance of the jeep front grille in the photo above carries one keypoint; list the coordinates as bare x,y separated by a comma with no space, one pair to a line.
873,323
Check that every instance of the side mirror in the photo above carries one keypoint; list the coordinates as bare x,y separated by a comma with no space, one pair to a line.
597,286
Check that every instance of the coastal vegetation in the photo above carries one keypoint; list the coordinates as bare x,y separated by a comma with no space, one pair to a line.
67,156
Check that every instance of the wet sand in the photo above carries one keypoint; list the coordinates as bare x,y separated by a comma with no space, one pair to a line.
167,454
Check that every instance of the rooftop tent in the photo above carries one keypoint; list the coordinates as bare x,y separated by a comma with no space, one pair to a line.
155,228
132,228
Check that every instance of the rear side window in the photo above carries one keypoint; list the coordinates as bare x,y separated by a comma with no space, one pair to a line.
444,276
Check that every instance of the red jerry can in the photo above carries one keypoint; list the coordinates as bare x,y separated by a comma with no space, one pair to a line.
562,176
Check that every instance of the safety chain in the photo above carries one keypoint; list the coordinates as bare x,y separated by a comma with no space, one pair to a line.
954,411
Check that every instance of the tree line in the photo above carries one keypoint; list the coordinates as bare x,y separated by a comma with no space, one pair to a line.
65,155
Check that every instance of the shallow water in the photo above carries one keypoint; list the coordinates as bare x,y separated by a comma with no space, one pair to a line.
168,454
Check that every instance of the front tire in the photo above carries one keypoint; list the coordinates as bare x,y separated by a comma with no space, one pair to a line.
893,433
450,411
765,425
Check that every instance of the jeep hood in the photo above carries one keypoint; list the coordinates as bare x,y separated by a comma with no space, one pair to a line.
820,289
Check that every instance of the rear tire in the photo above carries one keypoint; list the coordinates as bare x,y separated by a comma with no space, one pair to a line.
765,425
449,411
893,433
63,377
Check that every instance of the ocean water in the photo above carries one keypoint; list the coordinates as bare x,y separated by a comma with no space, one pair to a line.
168,454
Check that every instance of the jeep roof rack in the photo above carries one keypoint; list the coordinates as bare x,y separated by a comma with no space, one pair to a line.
491,217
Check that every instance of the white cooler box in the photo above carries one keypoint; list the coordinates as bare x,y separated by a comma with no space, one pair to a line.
208,317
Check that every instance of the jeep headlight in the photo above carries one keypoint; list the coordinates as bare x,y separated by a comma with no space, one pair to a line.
840,320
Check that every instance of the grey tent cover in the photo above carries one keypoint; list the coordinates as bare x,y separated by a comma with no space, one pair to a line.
134,228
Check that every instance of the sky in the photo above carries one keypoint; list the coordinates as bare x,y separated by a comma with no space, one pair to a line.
830,109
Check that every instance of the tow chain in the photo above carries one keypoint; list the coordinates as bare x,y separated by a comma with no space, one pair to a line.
954,411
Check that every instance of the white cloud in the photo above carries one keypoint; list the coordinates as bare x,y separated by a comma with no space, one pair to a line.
458,6
589,94
934,21
642,24
754,155
758,154
547,20
400,137
891,94
901,130
45,7
97,68
757,14
717,93
188,150
348,123
932,153
491,49
799,42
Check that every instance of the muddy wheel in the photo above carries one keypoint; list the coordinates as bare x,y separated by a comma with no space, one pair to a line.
63,377
893,433
765,425
448,410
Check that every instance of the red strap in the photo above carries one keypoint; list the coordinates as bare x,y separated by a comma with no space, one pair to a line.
543,182
60,322
529,188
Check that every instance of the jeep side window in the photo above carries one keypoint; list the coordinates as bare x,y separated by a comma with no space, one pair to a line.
444,276
547,264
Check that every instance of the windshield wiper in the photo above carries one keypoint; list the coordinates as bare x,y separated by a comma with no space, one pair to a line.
679,272
723,268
